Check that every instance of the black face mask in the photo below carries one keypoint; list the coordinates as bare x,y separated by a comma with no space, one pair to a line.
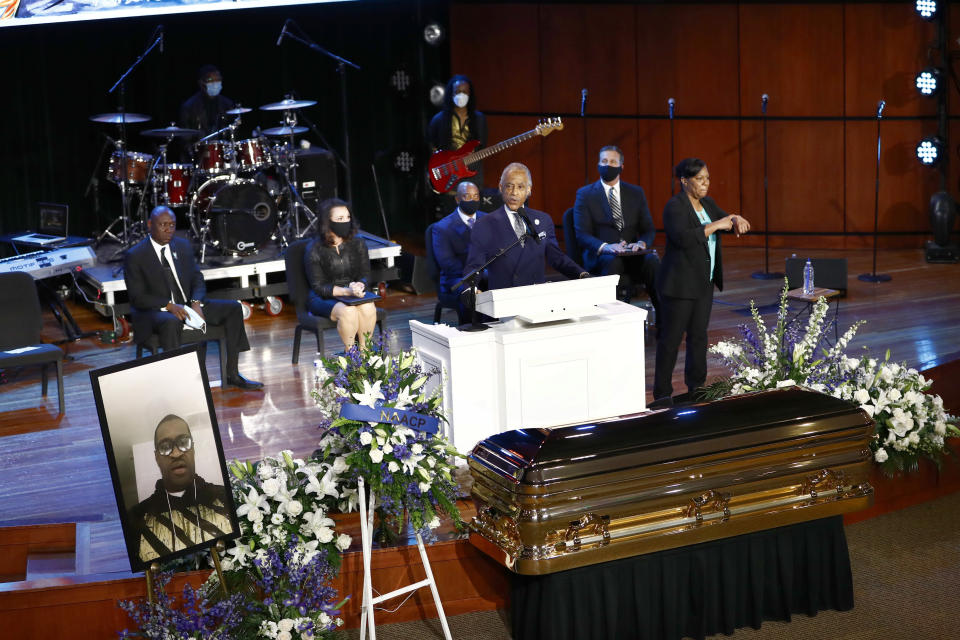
342,229
469,207
608,172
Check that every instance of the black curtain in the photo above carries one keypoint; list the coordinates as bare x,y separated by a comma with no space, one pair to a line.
693,591
56,76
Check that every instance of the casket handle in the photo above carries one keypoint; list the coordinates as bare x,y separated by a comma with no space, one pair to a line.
718,500
822,479
590,524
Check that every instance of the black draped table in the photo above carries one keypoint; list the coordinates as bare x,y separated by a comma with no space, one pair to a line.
694,591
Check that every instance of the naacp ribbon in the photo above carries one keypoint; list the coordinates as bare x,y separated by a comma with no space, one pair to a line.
390,415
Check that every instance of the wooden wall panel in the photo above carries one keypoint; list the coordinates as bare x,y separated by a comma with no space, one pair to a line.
654,167
905,185
805,169
698,68
499,48
587,46
716,142
885,47
794,53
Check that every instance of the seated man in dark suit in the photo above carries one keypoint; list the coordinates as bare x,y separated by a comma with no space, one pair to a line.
162,278
184,510
524,263
612,220
451,240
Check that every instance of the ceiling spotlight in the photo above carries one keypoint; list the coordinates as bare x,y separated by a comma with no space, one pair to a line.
930,150
928,81
433,34
437,92
927,9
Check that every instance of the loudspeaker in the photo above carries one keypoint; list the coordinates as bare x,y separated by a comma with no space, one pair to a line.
316,176
830,273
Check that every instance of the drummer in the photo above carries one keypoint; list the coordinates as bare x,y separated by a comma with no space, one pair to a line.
206,109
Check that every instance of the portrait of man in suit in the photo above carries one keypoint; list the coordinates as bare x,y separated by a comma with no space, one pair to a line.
612,223
162,279
451,241
524,264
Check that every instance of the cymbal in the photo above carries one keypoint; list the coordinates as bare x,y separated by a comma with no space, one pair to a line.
238,110
288,103
283,131
170,132
117,118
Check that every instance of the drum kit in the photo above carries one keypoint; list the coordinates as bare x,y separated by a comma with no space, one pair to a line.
238,195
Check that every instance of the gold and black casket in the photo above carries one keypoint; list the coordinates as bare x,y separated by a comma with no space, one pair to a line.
554,499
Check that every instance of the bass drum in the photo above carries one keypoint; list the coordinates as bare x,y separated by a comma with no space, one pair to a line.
239,215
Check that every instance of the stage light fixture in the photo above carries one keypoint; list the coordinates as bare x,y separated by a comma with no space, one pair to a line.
927,9
404,161
928,81
930,150
433,34
437,93
400,80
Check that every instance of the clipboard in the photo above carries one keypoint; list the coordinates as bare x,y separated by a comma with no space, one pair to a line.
352,300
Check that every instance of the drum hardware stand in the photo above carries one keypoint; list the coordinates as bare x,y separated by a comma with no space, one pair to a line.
93,185
342,65
131,232
296,201
383,213
326,145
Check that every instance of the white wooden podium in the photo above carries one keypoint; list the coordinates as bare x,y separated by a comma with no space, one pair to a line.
582,359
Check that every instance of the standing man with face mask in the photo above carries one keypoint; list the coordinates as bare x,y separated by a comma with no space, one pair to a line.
205,109
458,123
612,220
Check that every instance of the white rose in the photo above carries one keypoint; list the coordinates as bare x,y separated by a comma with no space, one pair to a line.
393,467
366,438
294,508
880,455
340,464
862,396
285,625
434,523
417,448
343,542
376,455
284,635
271,487
893,395
325,535
324,619
255,516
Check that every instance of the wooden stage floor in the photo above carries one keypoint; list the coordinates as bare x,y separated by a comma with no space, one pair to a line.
55,470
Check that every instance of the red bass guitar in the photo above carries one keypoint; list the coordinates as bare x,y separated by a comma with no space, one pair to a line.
446,168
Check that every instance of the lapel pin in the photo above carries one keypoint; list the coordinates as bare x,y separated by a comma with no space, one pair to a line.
536,221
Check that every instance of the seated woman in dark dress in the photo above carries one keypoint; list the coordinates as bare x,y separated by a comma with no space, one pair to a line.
338,265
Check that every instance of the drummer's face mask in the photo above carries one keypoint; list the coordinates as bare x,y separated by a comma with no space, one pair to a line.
213,88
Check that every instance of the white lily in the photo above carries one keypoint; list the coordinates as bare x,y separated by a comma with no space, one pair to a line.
371,393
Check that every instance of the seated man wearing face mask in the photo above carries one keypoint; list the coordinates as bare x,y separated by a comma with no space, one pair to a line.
612,222
205,110
451,240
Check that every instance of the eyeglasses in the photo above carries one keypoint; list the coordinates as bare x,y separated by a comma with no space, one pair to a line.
183,442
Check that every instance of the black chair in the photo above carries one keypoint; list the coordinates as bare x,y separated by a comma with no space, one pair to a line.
570,245
20,324
434,270
213,334
297,290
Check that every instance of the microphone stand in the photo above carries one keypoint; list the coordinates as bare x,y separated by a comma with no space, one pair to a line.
583,118
766,274
475,325
672,105
873,276
342,65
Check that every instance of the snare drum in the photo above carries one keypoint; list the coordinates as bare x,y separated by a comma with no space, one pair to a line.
137,167
177,186
213,156
251,154
239,215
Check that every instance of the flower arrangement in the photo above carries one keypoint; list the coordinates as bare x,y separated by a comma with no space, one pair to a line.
384,425
910,424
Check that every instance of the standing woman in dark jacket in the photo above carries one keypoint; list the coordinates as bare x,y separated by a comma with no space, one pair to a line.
338,265
690,268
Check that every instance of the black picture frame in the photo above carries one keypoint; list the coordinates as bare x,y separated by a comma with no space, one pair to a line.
132,397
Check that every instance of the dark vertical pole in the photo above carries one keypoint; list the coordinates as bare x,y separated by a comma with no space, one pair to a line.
766,274
348,182
873,276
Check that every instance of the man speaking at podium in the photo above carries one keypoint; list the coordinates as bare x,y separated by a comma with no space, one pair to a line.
524,263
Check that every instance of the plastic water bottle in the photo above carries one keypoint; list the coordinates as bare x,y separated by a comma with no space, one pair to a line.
807,278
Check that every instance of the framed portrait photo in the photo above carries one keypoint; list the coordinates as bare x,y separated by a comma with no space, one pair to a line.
165,455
